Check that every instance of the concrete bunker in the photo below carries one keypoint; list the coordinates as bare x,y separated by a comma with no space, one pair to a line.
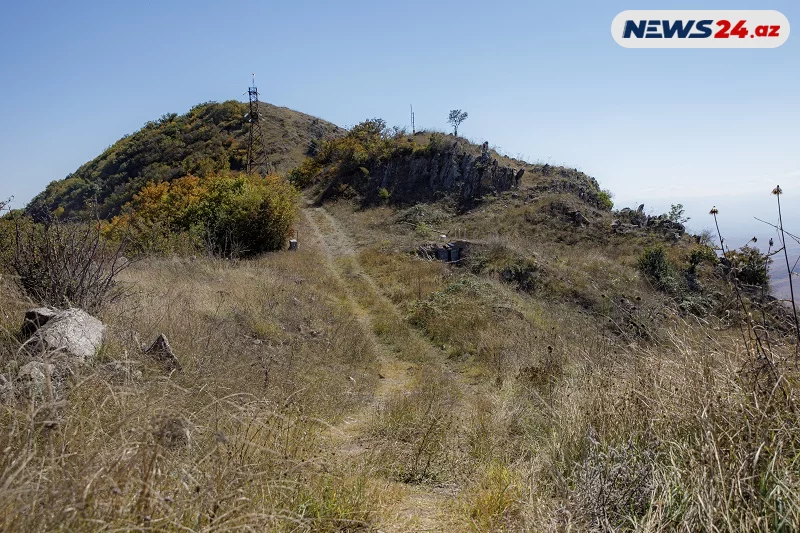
448,252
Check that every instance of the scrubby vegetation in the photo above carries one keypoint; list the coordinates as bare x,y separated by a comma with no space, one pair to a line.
655,265
225,214
750,266
376,164
235,440
605,380
209,139
62,264
355,155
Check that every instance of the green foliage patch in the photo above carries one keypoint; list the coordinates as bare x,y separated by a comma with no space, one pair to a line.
211,138
230,214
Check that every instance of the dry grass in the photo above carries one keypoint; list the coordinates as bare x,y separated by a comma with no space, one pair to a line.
516,409
271,356
573,424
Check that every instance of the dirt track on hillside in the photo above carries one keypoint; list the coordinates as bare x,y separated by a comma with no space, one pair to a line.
417,507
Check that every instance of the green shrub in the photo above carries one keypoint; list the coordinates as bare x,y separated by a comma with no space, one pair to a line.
749,265
654,264
302,176
232,214
676,214
699,255
604,197
207,139
347,163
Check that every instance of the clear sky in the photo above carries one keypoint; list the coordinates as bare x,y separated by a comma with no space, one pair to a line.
544,81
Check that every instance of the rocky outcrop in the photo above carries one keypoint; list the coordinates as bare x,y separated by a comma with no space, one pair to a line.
663,223
630,220
622,228
570,181
579,219
451,170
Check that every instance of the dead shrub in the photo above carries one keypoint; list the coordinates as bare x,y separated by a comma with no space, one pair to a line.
65,264
613,484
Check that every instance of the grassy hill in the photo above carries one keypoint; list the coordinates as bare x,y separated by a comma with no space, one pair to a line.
210,137
579,368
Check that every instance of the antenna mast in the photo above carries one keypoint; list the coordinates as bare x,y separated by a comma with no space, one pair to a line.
257,160
412,119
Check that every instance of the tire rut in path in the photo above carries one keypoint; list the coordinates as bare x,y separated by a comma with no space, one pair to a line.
418,508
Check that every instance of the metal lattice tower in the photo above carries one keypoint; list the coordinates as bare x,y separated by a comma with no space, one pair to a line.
257,161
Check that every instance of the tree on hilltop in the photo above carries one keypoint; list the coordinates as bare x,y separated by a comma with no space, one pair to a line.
456,117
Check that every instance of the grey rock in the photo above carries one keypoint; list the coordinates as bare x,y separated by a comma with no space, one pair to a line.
662,223
579,218
637,218
36,318
623,228
32,378
161,351
35,371
72,332
450,171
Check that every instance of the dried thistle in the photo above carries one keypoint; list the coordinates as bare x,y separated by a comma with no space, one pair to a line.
777,192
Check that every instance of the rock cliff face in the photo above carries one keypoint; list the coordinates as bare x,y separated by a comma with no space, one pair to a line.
452,170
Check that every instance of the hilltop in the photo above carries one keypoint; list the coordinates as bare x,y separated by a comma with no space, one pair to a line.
211,137
381,165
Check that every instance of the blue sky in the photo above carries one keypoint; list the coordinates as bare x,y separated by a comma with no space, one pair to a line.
542,81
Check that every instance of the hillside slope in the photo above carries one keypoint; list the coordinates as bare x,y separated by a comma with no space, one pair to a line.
210,137
574,368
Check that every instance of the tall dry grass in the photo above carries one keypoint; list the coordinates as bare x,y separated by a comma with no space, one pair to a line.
271,356
561,421
526,410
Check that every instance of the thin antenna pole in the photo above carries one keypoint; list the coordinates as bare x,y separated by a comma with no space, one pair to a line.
412,119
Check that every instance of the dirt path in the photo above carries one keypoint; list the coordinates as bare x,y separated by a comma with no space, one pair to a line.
412,508
341,253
